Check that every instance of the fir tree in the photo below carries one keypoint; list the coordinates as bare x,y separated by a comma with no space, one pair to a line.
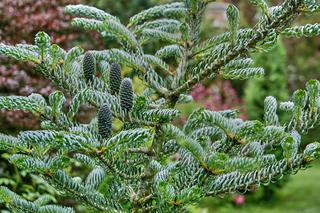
150,165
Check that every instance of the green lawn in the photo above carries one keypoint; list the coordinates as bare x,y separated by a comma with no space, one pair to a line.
299,195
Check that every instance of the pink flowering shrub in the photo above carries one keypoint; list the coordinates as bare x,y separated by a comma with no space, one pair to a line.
220,95
27,17
20,20
239,200
13,79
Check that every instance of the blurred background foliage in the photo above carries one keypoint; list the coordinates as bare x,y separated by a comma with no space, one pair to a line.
274,83
288,66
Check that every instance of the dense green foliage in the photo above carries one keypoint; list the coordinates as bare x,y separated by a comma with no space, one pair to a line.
149,164
274,83
286,200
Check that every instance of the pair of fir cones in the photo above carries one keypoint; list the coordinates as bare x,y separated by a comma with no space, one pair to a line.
123,88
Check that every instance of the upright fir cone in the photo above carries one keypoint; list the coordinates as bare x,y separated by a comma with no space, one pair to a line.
115,78
126,95
105,121
89,66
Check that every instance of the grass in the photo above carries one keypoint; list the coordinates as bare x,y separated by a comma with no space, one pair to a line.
299,195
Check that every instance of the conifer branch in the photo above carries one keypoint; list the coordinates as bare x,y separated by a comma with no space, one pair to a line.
145,162
290,8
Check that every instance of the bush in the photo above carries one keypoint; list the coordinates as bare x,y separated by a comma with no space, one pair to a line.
220,95
148,164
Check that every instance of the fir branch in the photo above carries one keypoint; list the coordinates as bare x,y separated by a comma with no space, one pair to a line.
289,8
146,163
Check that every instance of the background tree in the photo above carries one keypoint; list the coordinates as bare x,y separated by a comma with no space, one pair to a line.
274,83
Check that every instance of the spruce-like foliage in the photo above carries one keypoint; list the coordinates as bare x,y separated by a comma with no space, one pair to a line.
149,164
